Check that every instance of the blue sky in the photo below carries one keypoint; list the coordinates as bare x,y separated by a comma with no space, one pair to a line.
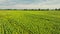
21,4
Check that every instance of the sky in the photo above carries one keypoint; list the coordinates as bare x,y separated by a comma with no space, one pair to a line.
29,4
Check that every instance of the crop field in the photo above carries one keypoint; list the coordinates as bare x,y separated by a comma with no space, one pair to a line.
29,22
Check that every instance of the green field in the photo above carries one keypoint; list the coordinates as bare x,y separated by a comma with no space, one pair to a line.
29,22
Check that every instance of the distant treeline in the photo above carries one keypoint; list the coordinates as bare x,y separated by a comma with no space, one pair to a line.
35,9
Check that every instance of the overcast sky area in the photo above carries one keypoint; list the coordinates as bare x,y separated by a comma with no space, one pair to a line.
29,4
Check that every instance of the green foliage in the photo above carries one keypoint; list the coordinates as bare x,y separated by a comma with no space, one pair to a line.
29,22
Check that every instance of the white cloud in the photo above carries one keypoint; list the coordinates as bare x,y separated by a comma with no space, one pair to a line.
20,6
3,0
38,6
46,4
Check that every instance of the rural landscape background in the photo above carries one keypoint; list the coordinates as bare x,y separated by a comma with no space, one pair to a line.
29,21
29,16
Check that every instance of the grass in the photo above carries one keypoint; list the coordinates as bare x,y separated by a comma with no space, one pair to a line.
29,22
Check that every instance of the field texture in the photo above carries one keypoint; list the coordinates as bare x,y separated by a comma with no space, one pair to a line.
29,22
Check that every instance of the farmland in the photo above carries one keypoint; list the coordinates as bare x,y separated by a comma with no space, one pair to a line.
29,22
